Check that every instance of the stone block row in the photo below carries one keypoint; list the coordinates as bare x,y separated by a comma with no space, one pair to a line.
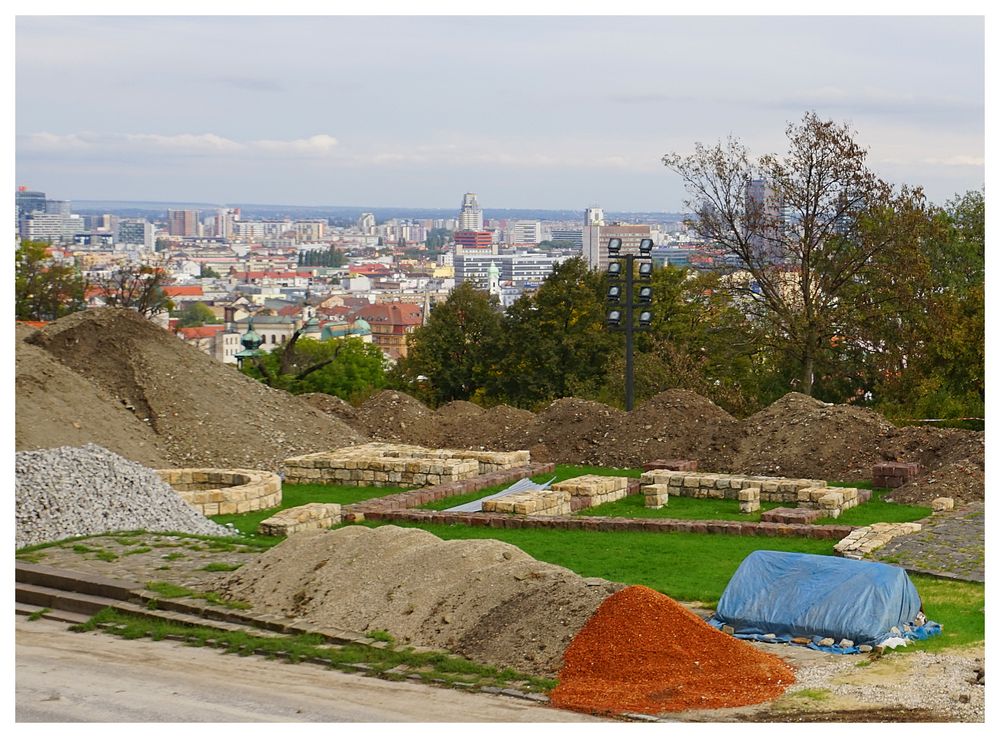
894,474
225,491
688,465
861,541
727,486
798,515
590,490
832,501
311,516
489,461
534,502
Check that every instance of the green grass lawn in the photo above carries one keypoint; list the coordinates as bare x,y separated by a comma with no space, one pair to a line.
876,510
681,508
960,607
293,495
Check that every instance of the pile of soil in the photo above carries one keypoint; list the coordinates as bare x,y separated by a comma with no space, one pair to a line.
459,424
201,412
569,430
675,424
934,447
799,436
395,417
484,599
57,407
963,481
643,652
331,405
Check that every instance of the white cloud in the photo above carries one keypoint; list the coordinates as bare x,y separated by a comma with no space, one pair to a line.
97,145
318,145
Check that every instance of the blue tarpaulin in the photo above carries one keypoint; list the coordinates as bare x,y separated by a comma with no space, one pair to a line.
785,595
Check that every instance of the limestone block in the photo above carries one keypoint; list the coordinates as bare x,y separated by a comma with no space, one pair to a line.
748,494
942,504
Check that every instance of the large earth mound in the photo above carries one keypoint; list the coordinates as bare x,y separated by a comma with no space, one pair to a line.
483,599
963,481
799,436
203,413
675,424
57,407
394,416
568,430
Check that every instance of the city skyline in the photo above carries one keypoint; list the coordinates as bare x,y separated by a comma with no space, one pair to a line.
413,112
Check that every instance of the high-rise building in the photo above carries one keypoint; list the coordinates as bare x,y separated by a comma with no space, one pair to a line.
475,240
50,227
765,216
570,236
137,231
366,224
183,223
525,231
58,207
28,201
593,216
471,216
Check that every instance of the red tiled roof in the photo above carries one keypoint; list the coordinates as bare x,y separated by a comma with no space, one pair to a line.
35,323
393,313
203,331
183,290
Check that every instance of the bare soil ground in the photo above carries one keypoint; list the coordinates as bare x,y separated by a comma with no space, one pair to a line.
199,411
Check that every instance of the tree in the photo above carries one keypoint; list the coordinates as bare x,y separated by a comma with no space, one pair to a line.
453,350
553,343
44,290
208,273
803,227
347,368
196,314
139,288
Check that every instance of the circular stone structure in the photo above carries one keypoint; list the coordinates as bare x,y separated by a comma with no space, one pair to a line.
225,491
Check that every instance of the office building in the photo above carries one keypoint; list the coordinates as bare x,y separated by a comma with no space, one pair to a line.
183,223
524,232
571,237
471,216
593,216
29,201
596,237
136,231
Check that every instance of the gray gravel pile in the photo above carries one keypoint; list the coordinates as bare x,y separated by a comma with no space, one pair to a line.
67,491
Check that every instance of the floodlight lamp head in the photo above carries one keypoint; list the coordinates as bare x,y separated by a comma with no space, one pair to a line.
646,294
614,269
614,318
645,246
646,269
614,245
614,293
645,319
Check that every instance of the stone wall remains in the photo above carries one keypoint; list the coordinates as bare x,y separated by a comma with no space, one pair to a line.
225,491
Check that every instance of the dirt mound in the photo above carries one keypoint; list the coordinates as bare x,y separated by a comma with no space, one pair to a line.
799,436
484,599
675,424
395,416
57,407
643,652
569,430
331,405
934,447
203,413
963,481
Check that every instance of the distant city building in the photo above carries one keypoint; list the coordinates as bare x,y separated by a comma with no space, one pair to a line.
29,201
58,207
138,231
391,323
593,216
765,210
50,227
366,224
520,270
596,237
570,236
525,231
473,240
183,223
471,216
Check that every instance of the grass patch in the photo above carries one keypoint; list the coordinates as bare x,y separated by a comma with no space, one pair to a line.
82,549
106,555
220,566
173,556
138,550
814,695
293,495
429,666
381,635
876,510
169,591
39,614
32,557
681,508
685,566
562,472
960,607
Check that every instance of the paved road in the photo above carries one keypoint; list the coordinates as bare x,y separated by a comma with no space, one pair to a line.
92,677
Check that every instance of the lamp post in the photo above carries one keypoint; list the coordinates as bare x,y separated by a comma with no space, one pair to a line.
622,304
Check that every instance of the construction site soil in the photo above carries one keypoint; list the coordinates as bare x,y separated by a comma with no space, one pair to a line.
483,599
113,378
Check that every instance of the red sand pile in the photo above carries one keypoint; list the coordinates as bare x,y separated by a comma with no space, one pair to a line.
643,652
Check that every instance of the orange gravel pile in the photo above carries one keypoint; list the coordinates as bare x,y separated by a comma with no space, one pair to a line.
643,652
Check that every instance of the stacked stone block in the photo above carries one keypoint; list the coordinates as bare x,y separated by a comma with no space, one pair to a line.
894,474
489,461
864,540
832,501
727,486
225,491
688,465
591,490
534,502
312,516
749,499
796,515
656,495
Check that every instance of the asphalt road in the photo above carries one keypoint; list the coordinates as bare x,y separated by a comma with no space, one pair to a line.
62,676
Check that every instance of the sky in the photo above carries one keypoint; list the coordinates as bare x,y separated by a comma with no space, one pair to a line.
526,111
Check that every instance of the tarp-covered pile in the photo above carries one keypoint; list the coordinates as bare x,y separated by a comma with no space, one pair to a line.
778,596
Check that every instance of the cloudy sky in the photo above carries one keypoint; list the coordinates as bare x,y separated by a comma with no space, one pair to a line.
546,112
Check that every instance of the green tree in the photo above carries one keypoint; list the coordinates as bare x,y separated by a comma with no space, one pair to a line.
553,343
454,349
44,290
438,238
804,238
348,368
208,273
196,314
139,287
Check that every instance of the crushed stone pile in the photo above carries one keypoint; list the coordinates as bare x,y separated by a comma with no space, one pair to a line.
57,407
963,481
483,599
675,424
394,416
64,492
202,412
800,436
643,652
